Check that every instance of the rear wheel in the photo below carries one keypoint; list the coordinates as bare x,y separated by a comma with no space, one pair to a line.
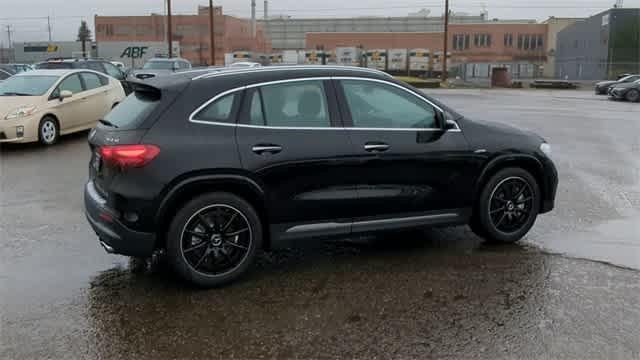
508,206
633,95
48,131
214,239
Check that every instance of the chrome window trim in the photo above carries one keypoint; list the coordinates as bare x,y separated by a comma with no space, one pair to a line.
322,78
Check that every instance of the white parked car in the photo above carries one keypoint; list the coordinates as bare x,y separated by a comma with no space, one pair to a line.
41,105
245,64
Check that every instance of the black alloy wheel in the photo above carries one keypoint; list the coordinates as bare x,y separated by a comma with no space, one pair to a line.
214,239
508,206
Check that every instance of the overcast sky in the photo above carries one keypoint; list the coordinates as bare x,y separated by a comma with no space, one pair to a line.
66,15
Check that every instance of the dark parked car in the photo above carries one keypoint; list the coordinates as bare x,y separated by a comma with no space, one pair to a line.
215,168
602,87
626,91
99,65
6,72
17,68
160,67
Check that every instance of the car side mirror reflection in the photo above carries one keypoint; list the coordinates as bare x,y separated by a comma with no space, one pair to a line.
65,94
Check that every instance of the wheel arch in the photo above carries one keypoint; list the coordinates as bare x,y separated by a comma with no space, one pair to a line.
51,115
523,161
188,187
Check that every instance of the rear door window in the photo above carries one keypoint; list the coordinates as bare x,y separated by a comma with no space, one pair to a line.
134,110
295,104
93,81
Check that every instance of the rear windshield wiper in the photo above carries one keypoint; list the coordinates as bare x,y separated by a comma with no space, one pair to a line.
108,123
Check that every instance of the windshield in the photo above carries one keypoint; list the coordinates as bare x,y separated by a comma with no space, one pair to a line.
159,65
629,78
33,85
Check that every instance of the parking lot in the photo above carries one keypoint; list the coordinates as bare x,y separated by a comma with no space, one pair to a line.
569,290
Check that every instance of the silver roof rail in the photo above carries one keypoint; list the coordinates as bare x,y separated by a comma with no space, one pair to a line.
230,71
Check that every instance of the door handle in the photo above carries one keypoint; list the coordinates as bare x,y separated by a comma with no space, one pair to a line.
271,149
376,147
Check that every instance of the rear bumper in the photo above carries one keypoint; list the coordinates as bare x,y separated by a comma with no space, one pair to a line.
114,236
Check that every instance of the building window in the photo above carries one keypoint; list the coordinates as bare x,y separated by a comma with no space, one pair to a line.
482,40
461,42
508,40
531,42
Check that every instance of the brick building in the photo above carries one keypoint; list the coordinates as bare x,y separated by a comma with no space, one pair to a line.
522,47
190,31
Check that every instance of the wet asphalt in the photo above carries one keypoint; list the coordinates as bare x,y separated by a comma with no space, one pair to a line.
569,290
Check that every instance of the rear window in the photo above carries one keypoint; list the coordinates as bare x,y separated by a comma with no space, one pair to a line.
55,65
134,110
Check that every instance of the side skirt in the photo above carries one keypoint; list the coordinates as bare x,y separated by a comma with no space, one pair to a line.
285,235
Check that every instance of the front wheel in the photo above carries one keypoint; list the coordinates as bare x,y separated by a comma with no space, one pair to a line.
508,206
48,131
214,239
633,95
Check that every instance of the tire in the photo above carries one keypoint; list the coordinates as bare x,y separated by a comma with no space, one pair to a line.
194,258
48,131
519,212
632,95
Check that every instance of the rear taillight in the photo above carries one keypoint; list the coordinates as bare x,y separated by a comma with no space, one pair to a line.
129,156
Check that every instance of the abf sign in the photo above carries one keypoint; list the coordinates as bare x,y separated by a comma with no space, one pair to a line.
134,52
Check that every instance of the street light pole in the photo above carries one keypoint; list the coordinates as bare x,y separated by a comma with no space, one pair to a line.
169,29
446,41
212,34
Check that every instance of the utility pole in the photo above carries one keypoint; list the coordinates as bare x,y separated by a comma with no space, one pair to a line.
169,29
446,41
49,27
212,34
9,35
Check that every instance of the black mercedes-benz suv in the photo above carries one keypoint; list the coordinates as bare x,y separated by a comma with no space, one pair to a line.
216,167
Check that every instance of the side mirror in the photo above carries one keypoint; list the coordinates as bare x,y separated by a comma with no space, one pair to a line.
451,125
65,94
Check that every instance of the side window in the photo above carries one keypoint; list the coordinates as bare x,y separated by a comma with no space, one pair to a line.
71,83
113,71
296,104
91,65
4,75
376,105
256,114
184,65
92,81
218,111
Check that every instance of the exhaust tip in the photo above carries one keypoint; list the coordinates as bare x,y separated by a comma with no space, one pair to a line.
107,247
